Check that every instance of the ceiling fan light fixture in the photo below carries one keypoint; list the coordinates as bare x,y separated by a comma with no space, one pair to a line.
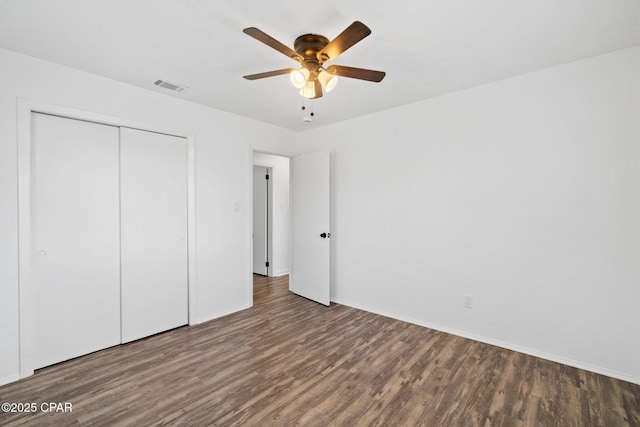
299,77
311,51
327,80
308,90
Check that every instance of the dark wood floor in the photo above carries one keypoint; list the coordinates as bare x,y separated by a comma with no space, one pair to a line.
289,361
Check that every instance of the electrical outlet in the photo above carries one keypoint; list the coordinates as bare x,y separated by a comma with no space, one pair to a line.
468,301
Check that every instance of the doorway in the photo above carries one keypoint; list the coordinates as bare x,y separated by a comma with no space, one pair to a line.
298,209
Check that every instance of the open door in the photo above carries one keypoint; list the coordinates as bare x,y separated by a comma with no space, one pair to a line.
261,220
310,274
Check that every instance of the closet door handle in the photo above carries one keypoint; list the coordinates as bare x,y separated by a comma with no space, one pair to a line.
325,235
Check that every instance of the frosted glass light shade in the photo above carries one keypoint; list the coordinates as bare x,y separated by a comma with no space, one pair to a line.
299,77
327,80
308,90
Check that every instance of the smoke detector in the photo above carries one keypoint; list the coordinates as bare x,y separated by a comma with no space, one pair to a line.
173,87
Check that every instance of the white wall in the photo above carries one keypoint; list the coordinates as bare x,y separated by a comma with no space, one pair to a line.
281,218
224,146
524,193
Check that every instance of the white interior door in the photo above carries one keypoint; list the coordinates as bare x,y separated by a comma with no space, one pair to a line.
310,273
153,232
76,287
260,220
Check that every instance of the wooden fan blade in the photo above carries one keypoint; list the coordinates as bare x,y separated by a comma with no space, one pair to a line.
356,73
350,36
269,74
271,42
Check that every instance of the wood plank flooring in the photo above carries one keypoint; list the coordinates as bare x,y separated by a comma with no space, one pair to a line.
290,361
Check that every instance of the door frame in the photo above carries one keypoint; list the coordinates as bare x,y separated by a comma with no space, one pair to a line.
25,108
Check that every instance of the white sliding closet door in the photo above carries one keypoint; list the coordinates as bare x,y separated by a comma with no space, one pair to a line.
76,259
153,189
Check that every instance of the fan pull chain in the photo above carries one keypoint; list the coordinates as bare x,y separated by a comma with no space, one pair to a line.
307,119
304,108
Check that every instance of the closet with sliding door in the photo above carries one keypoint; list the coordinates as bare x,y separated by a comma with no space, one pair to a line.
109,236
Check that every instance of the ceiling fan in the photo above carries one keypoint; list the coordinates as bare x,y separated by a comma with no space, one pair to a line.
312,51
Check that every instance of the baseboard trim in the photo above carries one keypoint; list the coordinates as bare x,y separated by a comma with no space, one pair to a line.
280,273
498,343
9,379
221,314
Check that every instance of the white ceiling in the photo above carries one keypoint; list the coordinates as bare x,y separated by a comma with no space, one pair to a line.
428,47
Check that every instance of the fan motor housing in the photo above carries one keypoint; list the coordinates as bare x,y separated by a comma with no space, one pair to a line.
308,45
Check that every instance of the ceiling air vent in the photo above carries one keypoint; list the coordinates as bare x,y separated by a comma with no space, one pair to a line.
173,87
